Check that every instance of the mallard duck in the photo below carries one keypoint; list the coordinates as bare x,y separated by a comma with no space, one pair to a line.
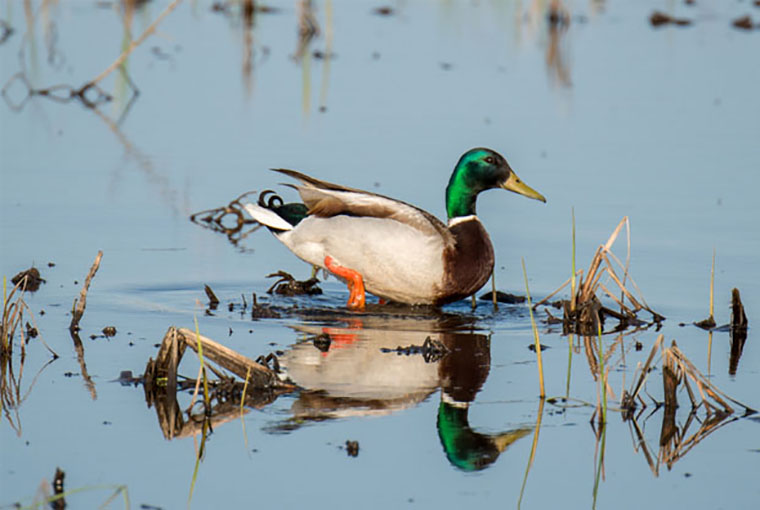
394,250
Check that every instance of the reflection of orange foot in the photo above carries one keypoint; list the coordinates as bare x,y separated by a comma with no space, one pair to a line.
353,280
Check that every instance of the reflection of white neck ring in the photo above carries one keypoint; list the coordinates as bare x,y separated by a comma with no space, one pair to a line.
448,399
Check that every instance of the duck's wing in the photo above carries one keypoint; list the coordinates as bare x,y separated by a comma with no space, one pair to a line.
325,199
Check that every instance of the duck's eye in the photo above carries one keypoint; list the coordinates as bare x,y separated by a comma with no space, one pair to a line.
490,160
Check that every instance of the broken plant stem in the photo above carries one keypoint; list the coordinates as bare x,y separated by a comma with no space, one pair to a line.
547,298
77,309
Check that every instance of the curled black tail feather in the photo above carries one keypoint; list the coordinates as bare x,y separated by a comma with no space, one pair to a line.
271,202
293,212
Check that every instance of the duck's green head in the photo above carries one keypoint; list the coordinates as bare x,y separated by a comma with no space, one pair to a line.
478,170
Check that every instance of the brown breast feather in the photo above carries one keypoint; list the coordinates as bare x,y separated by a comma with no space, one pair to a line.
468,265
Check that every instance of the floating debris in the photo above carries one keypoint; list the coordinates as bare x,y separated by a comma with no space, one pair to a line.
289,286
29,280
126,378
431,350
352,448
213,301
658,19
503,297
58,502
708,323
109,331
263,312
384,10
743,23
31,332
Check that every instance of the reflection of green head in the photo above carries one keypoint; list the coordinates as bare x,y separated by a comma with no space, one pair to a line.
466,449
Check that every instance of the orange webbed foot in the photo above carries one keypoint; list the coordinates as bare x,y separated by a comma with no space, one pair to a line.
354,280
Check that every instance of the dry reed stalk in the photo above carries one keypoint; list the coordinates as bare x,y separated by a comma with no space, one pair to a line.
584,310
709,322
615,299
627,276
13,319
611,272
77,309
579,274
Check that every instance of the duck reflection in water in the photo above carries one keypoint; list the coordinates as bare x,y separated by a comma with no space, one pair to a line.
349,371
462,375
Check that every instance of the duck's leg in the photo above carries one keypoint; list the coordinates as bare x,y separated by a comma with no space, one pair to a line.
354,281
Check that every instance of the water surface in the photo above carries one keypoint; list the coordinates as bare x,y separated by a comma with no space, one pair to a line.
607,115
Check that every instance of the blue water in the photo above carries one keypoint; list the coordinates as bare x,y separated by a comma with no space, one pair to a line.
609,117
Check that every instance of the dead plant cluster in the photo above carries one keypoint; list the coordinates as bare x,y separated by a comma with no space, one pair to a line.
607,277
237,381
15,332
